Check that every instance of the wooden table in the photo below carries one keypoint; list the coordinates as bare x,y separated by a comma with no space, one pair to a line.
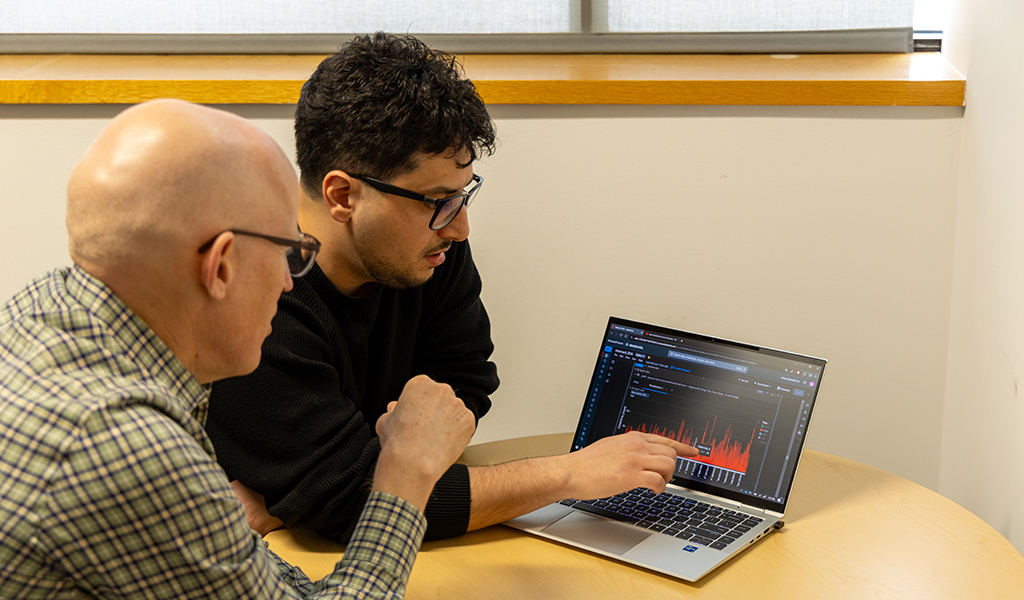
852,531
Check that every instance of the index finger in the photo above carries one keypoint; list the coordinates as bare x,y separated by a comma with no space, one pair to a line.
680,448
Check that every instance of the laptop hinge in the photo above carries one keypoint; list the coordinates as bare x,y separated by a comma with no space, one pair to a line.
754,509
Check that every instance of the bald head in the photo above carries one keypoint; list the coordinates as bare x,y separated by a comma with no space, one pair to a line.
162,175
159,182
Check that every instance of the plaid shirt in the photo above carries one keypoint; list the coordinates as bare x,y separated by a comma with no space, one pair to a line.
108,484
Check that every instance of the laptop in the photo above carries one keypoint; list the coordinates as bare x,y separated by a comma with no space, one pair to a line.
745,408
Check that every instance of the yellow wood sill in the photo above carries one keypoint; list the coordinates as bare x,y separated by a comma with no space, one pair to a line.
922,79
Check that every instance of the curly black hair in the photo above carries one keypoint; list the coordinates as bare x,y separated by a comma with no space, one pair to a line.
381,99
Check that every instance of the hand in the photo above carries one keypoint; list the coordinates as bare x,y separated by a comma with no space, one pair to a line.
618,463
421,435
256,513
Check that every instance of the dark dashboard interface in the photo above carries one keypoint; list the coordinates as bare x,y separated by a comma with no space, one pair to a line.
743,407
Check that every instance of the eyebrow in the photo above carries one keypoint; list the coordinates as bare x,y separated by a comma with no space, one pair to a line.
440,193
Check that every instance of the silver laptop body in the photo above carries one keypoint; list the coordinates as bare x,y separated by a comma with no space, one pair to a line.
746,408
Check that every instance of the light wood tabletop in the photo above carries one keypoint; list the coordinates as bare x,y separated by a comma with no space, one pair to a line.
852,531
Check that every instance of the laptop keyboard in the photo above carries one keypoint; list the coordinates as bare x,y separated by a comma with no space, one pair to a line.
685,518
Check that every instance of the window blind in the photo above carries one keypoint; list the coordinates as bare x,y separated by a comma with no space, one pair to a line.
314,26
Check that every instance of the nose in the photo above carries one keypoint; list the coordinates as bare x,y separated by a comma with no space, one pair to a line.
458,229
289,283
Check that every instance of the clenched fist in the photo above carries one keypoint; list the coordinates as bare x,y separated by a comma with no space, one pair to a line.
421,435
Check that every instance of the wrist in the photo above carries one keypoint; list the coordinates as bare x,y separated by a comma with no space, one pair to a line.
569,476
405,478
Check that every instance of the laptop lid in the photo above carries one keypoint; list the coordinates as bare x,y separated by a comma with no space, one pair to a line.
744,407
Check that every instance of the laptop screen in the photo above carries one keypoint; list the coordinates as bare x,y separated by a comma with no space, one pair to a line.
743,407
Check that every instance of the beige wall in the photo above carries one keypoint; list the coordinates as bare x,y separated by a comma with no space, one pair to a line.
824,231
39,145
982,464
827,231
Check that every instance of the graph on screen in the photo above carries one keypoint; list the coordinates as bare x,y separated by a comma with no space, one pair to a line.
731,436
718,447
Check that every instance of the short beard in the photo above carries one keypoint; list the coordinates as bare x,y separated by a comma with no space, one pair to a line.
386,272
389,276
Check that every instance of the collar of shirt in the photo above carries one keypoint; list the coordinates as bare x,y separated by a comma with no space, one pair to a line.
114,322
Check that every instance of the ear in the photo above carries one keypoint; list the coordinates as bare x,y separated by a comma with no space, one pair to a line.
217,269
338,188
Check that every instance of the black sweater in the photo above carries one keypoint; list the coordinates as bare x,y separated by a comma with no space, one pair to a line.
300,429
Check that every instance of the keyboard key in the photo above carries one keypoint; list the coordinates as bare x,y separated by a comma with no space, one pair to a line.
604,513
718,545
711,535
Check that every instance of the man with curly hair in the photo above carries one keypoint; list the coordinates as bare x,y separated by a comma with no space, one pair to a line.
387,131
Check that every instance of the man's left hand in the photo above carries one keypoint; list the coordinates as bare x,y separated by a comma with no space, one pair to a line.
256,513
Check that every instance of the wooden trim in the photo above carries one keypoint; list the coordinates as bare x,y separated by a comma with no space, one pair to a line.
923,79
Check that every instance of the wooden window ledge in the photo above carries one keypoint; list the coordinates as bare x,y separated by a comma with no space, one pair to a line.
921,79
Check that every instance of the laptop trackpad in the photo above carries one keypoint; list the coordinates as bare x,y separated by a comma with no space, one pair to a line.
601,534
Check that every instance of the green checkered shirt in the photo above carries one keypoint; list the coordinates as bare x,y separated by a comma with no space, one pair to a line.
108,484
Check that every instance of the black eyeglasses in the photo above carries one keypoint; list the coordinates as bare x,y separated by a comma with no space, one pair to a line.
300,253
445,209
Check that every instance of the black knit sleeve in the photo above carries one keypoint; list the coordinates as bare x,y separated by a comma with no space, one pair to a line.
289,433
454,346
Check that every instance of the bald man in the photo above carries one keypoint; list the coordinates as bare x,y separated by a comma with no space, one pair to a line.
182,227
